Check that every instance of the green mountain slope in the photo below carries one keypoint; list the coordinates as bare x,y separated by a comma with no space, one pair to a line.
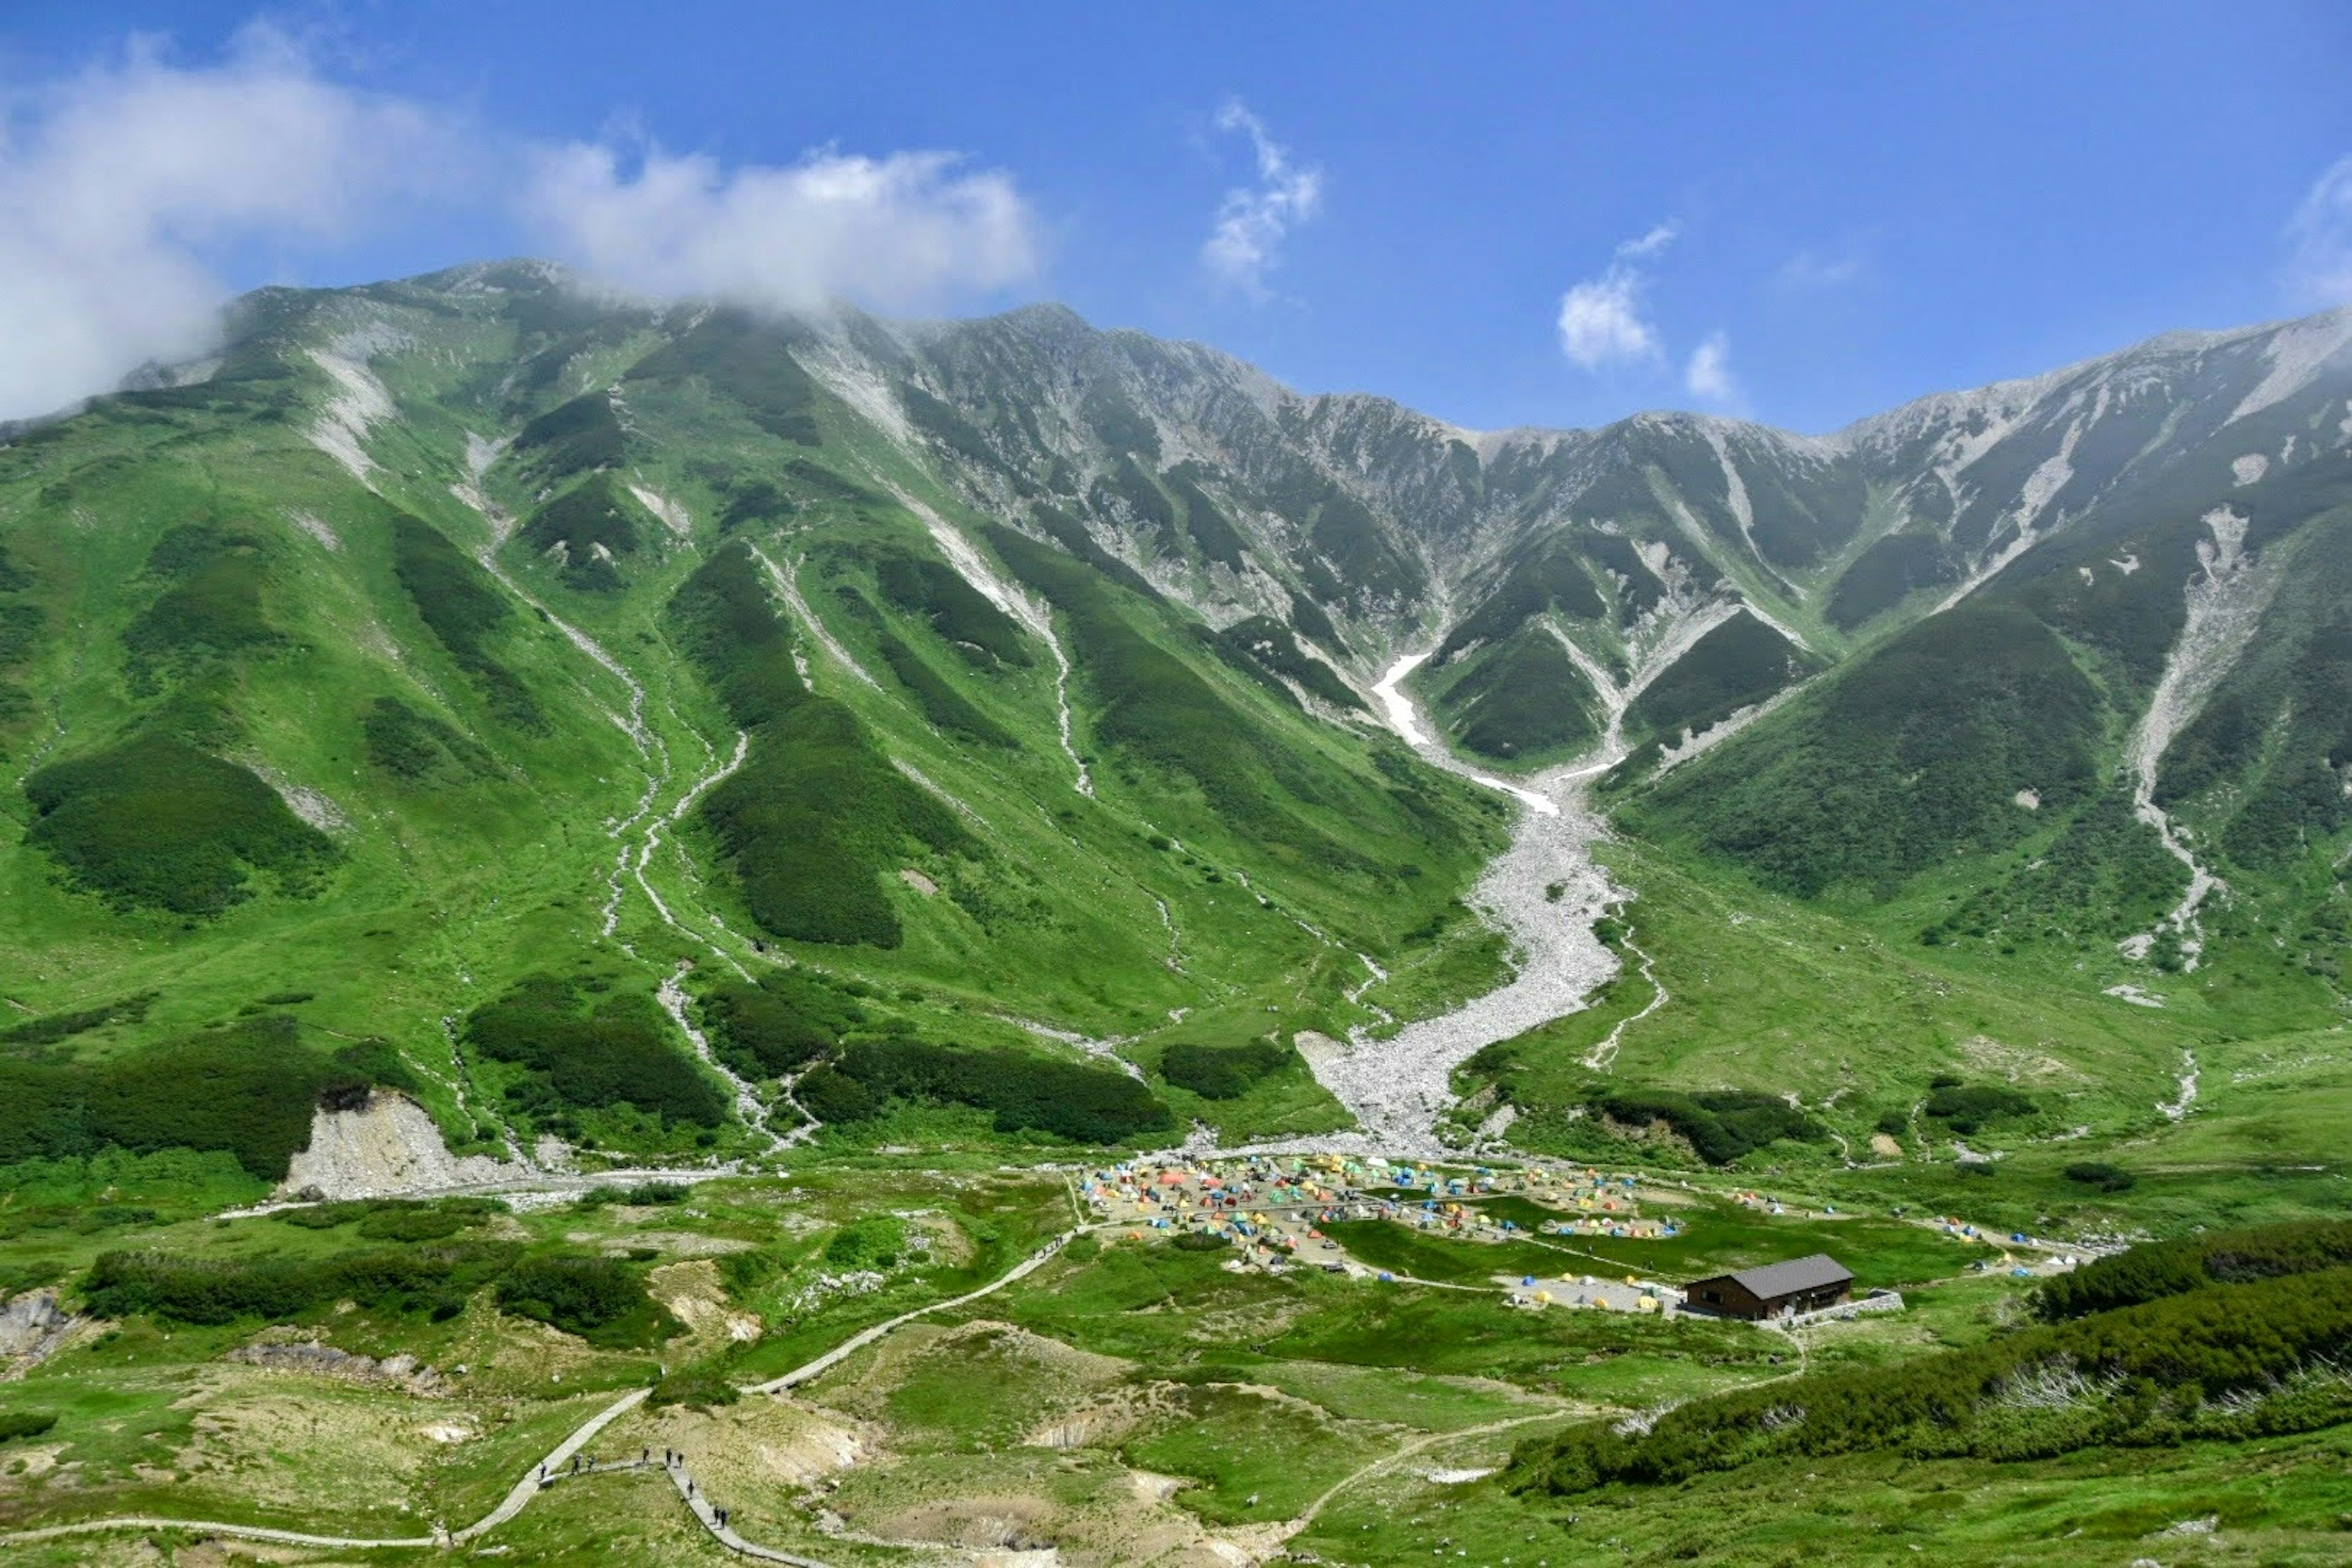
475,643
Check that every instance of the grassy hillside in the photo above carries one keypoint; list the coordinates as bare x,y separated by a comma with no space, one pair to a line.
403,698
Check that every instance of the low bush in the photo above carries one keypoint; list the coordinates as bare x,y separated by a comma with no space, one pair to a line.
2199,1363
1224,1072
2105,1177
789,1018
20,1423
597,522
958,612
601,1299
212,607
817,818
1085,1105
462,606
215,1290
248,1089
696,1387
155,823
1720,1125
573,438
2158,1268
1200,1241
878,1241
585,1052
1967,1108
645,1195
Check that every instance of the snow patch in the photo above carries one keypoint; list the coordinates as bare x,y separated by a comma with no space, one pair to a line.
2250,468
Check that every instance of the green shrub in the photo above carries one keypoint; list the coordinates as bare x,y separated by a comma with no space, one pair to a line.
154,823
1721,1125
2158,1268
947,709
2162,1364
212,608
1967,1109
1551,576
789,1018
215,1290
601,1299
697,1388
748,359
1224,1072
462,606
835,1098
597,514
817,818
19,1424
1881,576
573,438
2105,1177
1200,1241
1911,755
1525,697
645,1195
1085,1105
1157,709
1739,663
876,1242
1263,649
958,612
588,1052
248,1091
61,1025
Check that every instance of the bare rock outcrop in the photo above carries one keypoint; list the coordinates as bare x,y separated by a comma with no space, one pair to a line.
326,1361
33,1328
389,1147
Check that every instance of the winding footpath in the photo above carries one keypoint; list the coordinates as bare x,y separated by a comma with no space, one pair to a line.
530,1485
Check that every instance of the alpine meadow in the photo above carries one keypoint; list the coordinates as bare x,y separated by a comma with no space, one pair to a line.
644,932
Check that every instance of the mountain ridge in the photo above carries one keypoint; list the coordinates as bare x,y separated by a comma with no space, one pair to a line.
1049,688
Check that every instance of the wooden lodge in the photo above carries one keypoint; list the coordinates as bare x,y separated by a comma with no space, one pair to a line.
1775,1290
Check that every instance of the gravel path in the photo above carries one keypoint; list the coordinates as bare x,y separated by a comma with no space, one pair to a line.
858,1341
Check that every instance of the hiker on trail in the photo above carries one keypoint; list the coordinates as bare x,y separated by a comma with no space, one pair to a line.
644,1454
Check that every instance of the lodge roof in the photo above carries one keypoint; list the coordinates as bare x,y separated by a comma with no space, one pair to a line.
1776,1279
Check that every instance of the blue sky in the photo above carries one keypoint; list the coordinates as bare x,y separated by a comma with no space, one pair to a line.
1502,215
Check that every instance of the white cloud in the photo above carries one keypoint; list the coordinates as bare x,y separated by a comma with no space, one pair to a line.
1651,243
907,231
1708,374
2319,265
1814,270
1253,221
1601,319
116,183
